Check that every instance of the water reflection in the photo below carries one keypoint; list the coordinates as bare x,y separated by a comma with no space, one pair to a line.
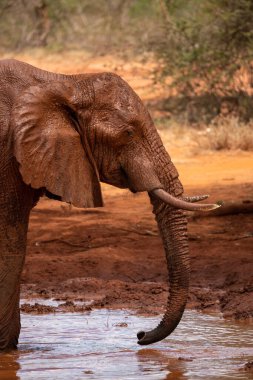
172,368
9,365
102,345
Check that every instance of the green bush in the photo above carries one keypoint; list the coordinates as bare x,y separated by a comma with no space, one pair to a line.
206,42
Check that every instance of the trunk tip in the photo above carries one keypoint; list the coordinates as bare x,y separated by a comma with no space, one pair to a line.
141,337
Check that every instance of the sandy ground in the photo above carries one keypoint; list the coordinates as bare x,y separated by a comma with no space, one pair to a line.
113,256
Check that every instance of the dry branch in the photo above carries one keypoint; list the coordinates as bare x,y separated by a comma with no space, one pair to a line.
232,208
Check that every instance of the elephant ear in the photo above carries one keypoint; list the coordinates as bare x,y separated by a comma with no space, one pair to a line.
48,147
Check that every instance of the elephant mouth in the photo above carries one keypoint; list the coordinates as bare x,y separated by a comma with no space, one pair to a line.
50,195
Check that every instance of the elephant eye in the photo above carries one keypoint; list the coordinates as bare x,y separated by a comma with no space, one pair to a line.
130,132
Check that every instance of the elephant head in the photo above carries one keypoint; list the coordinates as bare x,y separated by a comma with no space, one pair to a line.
72,133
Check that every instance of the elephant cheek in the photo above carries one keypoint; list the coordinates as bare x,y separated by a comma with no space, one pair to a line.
141,175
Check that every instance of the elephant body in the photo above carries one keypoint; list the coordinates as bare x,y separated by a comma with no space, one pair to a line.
16,201
60,136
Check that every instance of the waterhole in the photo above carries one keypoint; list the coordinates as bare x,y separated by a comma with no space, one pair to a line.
102,344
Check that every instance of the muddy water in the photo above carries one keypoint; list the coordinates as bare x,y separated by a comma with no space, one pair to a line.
102,345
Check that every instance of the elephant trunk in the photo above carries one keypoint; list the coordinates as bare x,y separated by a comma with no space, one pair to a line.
172,224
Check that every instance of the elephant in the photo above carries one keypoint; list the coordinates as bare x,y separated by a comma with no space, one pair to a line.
60,136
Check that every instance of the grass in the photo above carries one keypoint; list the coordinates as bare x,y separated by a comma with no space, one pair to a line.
226,134
223,134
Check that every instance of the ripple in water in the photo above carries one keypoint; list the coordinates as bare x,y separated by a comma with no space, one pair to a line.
102,345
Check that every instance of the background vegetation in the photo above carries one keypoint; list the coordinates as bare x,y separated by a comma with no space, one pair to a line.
99,26
207,48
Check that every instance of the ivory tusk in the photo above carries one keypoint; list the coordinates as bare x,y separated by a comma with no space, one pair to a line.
196,198
181,204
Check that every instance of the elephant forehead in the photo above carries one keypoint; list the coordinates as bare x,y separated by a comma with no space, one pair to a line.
127,99
111,89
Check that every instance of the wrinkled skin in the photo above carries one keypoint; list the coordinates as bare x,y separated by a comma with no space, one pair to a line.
60,136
